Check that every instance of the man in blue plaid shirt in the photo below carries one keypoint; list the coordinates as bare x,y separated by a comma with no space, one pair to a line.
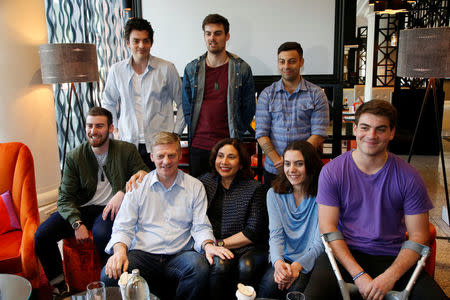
288,110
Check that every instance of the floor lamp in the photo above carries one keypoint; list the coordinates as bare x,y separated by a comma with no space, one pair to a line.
69,63
425,53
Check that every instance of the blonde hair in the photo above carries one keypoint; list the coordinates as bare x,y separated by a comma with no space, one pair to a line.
166,138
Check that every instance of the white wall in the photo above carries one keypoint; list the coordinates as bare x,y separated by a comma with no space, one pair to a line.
257,29
27,112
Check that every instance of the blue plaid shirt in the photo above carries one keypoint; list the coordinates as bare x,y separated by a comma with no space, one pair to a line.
285,117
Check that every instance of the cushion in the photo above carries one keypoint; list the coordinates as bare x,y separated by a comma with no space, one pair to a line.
8,218
10,261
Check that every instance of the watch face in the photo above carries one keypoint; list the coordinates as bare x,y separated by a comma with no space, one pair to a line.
220,244
76,225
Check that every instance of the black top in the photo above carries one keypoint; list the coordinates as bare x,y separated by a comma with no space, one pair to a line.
240,208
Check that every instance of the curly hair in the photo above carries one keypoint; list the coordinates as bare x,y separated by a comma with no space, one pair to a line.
244,159
313,165
138,24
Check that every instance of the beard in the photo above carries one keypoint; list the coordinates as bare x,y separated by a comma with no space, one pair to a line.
98,142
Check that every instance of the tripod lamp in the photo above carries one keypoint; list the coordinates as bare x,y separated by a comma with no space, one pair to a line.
425,53
69,63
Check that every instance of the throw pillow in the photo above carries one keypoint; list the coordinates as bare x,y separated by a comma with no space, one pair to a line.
8,218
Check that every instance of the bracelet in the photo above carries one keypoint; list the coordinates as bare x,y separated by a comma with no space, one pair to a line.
208,242
359,275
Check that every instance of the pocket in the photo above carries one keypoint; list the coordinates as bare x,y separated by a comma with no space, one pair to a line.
276,110
304,110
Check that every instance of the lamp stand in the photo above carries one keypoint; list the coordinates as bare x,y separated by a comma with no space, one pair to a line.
432,86
69,116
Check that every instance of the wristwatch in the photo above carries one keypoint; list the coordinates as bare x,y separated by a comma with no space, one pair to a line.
76,224
220,243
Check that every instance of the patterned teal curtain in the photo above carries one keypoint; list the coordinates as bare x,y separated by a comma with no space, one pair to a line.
85,21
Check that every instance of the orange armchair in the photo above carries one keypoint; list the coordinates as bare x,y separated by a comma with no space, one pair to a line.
17,253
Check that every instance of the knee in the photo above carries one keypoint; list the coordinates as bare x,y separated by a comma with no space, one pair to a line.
101,233
108,281
252,265
200,267
41,238
220,266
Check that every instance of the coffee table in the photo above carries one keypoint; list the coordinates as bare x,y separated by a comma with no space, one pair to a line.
112,293
14,287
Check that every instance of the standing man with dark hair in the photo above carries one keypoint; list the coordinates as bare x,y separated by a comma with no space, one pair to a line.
372,197
147,87
218,94
288,110
90,195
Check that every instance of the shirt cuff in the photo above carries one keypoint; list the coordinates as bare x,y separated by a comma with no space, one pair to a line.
117,238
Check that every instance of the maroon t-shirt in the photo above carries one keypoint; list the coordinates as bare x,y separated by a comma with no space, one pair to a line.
212,125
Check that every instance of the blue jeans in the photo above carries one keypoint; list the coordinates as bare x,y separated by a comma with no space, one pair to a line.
269,288
180,276
55,228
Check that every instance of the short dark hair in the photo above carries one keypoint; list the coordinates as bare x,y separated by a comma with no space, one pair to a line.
244,159
100,111
216,19
313,165
138,24
291,46
379,108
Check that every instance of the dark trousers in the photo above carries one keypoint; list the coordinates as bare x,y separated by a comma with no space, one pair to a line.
55,228
269,288
146,156
198,161
226,274
268,178
180,276
323,283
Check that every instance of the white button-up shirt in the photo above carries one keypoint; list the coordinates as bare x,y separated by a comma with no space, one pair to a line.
163,221
160,90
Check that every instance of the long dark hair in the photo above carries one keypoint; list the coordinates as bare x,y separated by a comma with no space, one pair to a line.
244,159
313,165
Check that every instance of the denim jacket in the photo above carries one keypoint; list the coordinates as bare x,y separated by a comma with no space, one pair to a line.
241,102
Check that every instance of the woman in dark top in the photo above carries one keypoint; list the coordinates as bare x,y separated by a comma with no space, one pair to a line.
238,214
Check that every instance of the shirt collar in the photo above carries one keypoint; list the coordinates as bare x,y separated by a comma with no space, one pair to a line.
178,180
300,87
150,65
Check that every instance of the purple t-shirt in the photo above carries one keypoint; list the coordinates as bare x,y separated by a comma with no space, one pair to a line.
372,207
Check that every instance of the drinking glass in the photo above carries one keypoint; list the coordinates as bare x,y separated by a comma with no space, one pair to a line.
295,296
96,291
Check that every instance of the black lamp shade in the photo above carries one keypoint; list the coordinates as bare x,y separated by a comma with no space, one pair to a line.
424,53
62,63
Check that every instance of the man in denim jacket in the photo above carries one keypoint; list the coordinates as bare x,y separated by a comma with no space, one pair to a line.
218,94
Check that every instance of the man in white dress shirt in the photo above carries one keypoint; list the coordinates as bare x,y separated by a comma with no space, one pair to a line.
162,229
144,88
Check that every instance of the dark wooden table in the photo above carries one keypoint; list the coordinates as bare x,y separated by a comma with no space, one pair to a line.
112,293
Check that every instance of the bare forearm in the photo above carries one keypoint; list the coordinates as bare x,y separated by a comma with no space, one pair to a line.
268,149
237,240
119,247
316,140
328,220
418,230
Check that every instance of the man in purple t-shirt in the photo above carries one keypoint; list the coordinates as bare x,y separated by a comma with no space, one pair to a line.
372,197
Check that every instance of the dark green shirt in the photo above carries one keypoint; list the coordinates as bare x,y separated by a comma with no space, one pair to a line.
79,182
